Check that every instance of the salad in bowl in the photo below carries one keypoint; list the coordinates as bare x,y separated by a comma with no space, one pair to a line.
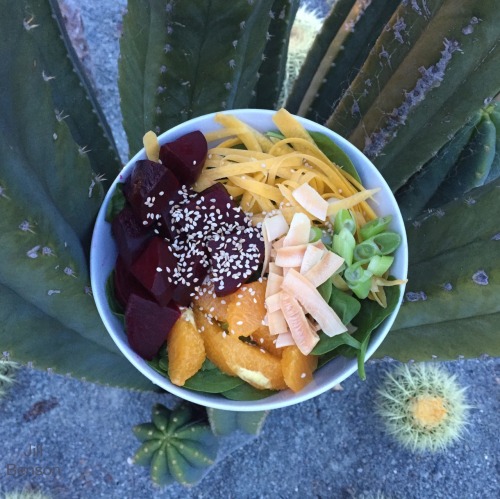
248,260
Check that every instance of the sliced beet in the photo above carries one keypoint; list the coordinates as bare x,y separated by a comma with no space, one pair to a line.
148,324
153,269
212,210
131,236
126,284
234,258
149,190
185,156
172,216
192,268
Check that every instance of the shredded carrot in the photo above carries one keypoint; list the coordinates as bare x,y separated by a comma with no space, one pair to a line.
264,174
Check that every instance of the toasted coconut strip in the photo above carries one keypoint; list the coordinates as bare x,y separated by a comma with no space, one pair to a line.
299,231
311,201
312,256
276,322
290,256
304,337
273,302
274,281
284,340
324,269
275,226
299,286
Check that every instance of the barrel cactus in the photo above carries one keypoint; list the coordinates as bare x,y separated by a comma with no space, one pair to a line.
409,83
177,445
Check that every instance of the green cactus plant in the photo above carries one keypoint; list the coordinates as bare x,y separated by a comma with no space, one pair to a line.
406,88
177,445
7,375
50,192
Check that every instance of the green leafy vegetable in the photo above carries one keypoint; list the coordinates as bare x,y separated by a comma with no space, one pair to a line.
116,203
334,153
247,392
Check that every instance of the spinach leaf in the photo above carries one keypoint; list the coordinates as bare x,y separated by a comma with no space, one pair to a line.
325,290
247,392
116,203
370,317
212,380
114,306
344,305
327,343
209,379
334,153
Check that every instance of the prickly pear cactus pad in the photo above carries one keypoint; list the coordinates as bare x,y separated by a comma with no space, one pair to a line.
49,197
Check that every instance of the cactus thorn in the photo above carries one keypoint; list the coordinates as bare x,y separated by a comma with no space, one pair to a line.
2,193
60,116
28,24
47,77
82,150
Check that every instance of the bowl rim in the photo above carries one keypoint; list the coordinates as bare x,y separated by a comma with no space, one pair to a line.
280,399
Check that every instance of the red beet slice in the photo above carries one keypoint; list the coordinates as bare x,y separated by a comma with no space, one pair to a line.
210,211
172,217
192,268
130,236
126,284
185,156
234,258
153,269
148,324
149,190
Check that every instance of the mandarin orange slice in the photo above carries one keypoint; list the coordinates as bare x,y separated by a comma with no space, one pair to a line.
186,350
253,364
246,308
213,337
265,340
237,358
211,304
297,368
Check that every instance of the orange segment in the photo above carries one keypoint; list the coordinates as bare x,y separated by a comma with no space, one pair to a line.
213,338
186,351
246,308
253,365
297,368
211,304
265,340
232,356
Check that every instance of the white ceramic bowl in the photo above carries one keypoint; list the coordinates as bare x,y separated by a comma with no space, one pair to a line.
103,256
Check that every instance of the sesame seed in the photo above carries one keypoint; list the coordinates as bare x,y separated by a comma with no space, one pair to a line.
303,375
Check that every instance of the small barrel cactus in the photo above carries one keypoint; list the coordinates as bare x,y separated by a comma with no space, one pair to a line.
422,406
177,445
7,374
